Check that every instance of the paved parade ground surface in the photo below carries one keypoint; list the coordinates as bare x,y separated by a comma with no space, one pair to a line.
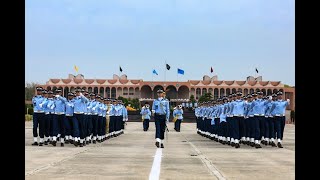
133,155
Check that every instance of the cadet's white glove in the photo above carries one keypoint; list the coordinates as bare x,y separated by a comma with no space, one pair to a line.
153,111
40,105
93,109
57,95
52,107
270,97
288,100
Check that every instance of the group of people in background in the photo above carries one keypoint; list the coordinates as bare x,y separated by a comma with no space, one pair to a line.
80,119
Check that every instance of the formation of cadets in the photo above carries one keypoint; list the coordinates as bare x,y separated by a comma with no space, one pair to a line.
251,120
79,119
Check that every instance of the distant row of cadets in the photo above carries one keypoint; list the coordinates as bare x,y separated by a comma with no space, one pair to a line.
251,120
79,119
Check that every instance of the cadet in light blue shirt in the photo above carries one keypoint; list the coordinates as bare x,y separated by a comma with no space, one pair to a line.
57,125
278,110
38,117
93,108
79,103
146,115
69,118
49,106
178,116
258,108
270,120
161,111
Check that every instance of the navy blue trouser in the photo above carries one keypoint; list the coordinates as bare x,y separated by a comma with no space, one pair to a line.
68,125
94,119
146,124
112,124
257,132
177,124
100,125
227,128
104,125
235,127
47,120
248,126
82,130
279,126
271,127
242,127
217,126
160,121
89,125
58,125
38,121
75,127
262,126
197,120
85,125
266,127
222,129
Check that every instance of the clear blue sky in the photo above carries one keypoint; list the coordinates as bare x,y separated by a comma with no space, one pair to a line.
232,36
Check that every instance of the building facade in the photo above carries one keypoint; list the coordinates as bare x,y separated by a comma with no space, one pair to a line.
175,91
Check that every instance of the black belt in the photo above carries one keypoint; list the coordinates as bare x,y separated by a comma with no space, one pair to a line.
158,114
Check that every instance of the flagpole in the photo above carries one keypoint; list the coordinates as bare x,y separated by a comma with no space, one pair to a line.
165,70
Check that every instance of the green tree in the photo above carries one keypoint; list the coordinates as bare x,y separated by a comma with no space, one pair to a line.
205,97
192,99
29,90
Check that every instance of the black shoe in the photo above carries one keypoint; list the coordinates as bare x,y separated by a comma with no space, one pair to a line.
99,141
94,141
229,143
162,145
266,143
258,146
35,144
58,138
232,144
66,142
252,144
279,145
81,144
62,144
40,144
54,143
76,143
157,144
273,144
71,141
87,142
237,145
46,143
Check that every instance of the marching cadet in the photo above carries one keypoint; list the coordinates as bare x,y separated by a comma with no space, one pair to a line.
59,117
94,108
45,118
79,101
259,118
89,118
49,113
196,113
38,117
113,118
146,114
109,106
177,114
100,118
69,118
278,110
237,109
104,120
161,111
250,122
85,117
223,121
269,136
125,117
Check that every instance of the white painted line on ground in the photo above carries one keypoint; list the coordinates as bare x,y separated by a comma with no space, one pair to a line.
155,170
211,168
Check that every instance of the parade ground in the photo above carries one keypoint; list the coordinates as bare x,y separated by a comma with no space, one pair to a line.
133,155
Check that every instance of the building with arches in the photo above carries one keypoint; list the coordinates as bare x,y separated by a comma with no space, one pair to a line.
175,91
